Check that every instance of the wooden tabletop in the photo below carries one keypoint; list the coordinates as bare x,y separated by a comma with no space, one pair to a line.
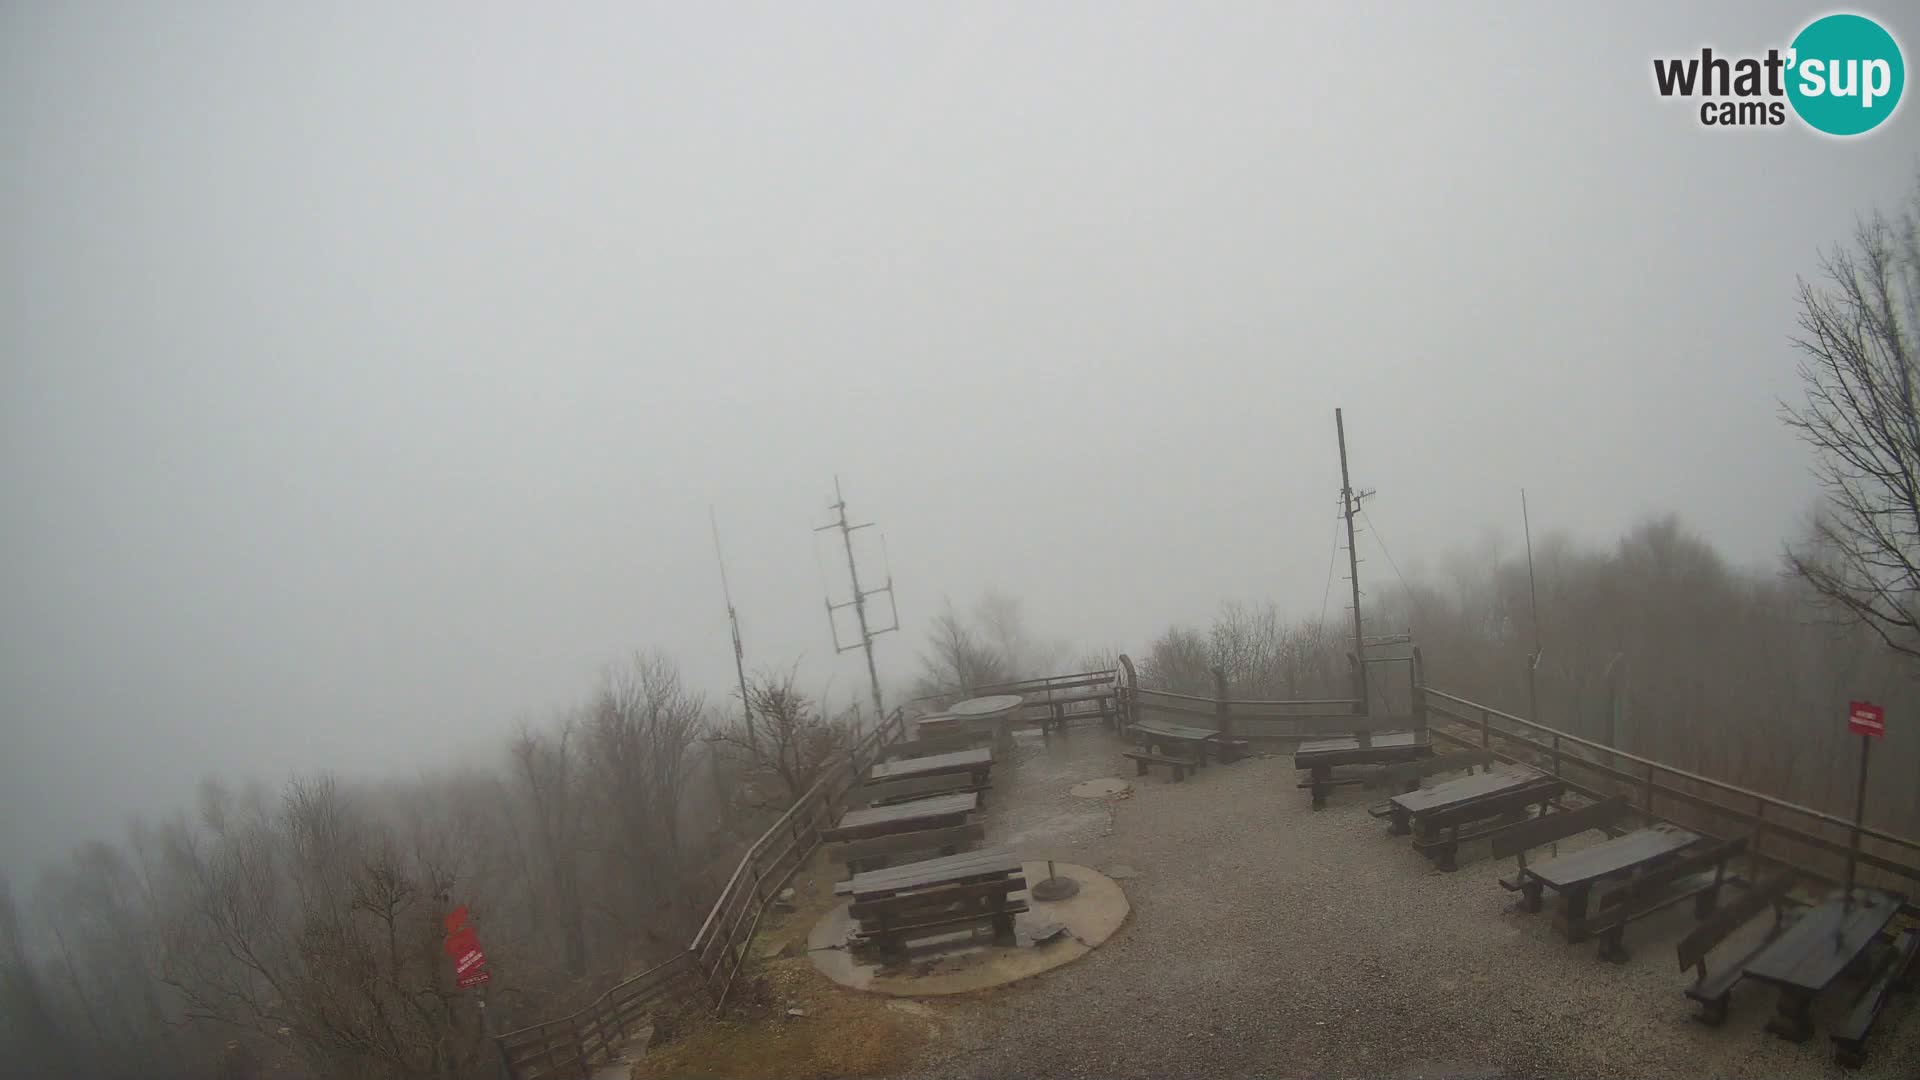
1324,746
992,705
956,761
994,862
1615,856
1825,940
1176,731
878,816
1467,789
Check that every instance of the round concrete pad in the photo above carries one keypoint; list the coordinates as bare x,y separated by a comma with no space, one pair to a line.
1099,789
1090,918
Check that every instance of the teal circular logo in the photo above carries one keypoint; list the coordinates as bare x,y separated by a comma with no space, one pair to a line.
1846,74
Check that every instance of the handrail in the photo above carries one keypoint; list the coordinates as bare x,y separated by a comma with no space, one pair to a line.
1746,793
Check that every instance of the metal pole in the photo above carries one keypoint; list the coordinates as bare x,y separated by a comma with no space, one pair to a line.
1859,815
733,621
1349,507
859,597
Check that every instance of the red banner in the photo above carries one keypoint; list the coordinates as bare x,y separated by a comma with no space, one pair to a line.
463,948
1866,718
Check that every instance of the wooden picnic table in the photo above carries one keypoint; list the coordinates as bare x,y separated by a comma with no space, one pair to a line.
937,812
1193,740
1813,952
1574,876
1321,756
1447,808
976,761
897,904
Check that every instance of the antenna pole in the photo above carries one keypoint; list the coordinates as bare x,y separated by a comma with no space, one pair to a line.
1349,506
859,601
733,622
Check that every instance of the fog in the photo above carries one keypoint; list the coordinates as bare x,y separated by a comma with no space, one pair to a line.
368,377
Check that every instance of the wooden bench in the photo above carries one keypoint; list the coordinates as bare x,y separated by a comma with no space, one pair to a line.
1697,875
1713,989
1895,972
877,852
887,792
1143,758
1548,829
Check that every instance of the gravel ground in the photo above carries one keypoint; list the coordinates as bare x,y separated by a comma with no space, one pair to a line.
1268,940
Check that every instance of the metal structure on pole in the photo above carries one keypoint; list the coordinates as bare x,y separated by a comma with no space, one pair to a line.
1349,506
859,601
733,622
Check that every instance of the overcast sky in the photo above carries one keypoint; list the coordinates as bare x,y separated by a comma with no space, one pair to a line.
369,369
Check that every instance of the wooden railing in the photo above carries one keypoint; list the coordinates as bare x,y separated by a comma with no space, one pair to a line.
572,1045
1036,691
1811,841
1264,719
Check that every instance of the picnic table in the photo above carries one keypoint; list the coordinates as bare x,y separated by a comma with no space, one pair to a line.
935,813
1811,954
1442,812
899,904
976,762
1321,756
1574,876
1192,741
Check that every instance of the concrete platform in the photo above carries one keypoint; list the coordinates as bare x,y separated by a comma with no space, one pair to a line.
960,965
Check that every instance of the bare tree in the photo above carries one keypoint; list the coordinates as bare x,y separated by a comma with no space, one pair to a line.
548,770
795,743
1862,417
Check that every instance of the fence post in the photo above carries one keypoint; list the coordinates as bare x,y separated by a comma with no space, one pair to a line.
1222,718
1417,695
1753,849
1556,753
1486,729
579,1047
1649,790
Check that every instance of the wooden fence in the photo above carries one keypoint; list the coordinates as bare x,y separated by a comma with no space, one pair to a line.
1037,692
1811,841
1265,719
572,1045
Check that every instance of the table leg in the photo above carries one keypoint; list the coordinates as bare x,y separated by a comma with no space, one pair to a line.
1573,912
1530,891
1793,1016
1401,826
1003,930
1321,788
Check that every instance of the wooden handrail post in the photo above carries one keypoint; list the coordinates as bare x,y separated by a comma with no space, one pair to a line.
1556,753
1753,848
1417,694
1224,719
1649,790
1486,729
579,1048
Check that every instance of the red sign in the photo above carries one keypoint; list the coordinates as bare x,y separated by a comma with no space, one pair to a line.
1866,718
463,948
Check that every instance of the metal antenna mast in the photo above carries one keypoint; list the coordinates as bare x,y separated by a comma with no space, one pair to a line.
733,621
859,601
1349,506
